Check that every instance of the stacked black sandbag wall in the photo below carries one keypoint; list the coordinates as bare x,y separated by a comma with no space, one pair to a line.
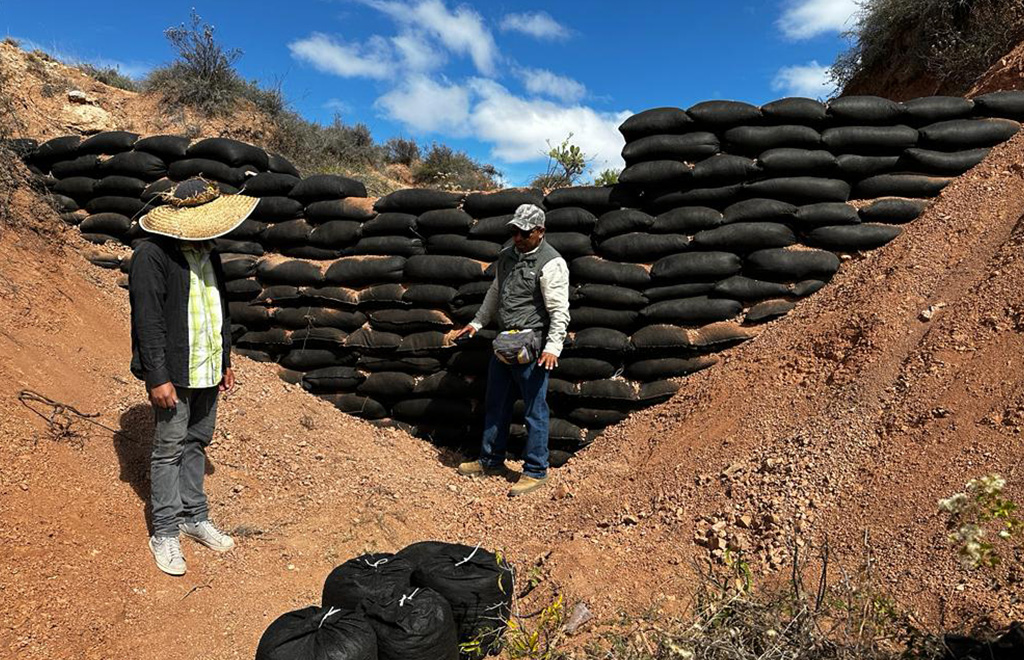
726,215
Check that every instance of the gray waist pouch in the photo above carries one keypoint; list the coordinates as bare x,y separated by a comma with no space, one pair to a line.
517,346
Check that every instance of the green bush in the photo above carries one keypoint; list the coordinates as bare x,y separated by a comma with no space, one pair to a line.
954,41
110,75
402,151
607,177
447,169
566,164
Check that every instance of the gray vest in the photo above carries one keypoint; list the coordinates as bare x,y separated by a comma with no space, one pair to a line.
521,303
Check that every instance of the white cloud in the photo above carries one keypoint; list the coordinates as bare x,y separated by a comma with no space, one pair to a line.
338,106
417,53
542,82
371,60
461,31
428,106
809,79
804,19
536,24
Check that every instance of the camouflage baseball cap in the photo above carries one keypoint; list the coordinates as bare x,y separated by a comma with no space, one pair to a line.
528,217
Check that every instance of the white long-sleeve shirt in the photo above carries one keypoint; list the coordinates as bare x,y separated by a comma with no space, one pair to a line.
554,287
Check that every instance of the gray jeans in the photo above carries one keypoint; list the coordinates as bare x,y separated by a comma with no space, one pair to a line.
178,463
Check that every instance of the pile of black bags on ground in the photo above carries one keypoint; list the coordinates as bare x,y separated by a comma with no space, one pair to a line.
430,601
725,217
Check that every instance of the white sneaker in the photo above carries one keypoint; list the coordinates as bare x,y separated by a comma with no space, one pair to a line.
167,552
205,533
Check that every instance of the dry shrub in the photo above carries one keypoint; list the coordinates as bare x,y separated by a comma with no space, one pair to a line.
447,169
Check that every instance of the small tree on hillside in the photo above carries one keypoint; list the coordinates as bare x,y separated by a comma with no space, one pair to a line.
566,164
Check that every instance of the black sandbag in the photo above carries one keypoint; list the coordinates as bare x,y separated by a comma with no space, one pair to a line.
753,140
386,385
691,311
102,258
208,169
55,149
368,338
797,162
382,296
608,390
596,418
869,139
864,110
230,152
1008,104
121,186
719,198
787,265
153,192
570,218
759,210
739,287
63,204
575,369
607,295
417,201
482,205
596,270
621,221
357,406
743,237
407,321
433,409
472,292
587,317
854,167
768,310
423,343
318,317
112,224
794,110
661,337
893,210
310,252
238,247
697,266
653,173
294,273
668,367
931,109
280,164
320,187
686,220
280,294
253,317
88,165
373,578
690,147
900,185
332,379
316,633
388,245
127,206
329,296
272,340
73,218
237,266
942,162
167,147
470,362
964,134
409,364
724,169
596,199
79,188
600,340
493,228
807,287
243,290
137,164
570,244
724,113
800,189
356,271
825,214
563,434
349,208
458,245
446,385
437,296
391,224
417,625
684,290
444,221
642,247
657,392
335,234
270,184
850,238
655,121
108,142
441,268
307,359
290,232
256,355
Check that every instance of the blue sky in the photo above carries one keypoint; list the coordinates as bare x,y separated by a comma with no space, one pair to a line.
496,79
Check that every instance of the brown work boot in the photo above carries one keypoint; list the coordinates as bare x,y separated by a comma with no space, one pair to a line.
478,469
525,485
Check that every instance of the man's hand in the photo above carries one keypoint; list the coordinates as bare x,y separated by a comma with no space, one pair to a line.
164,396
228,382
548,361
458,334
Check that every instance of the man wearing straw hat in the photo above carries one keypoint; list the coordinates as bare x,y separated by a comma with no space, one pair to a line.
181,343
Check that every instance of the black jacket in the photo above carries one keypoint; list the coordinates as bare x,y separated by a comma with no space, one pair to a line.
158,285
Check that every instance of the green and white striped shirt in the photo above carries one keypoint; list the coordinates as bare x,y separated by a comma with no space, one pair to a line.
205,319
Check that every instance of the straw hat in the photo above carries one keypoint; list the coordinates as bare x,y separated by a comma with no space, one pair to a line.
197,211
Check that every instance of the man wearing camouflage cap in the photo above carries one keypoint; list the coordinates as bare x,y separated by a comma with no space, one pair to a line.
530,300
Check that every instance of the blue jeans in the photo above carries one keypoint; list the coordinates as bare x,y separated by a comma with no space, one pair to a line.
505,384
